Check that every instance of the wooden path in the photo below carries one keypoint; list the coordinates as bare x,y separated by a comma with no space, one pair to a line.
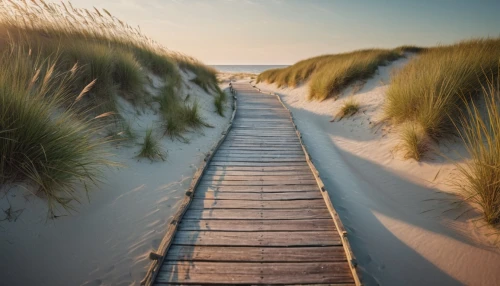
257,215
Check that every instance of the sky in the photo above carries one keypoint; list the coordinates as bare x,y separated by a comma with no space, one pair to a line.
286,31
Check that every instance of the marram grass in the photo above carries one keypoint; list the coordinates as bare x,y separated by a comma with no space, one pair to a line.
328,75
45,139
348,108
178,116
219,100
414,141
479,128
61,69
106,48
151,147
427,90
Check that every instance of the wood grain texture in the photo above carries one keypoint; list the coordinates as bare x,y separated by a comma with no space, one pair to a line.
283,196
257,214
257,238
255,273
257,225
255,254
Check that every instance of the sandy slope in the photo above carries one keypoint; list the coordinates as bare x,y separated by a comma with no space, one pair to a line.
400,214
107,242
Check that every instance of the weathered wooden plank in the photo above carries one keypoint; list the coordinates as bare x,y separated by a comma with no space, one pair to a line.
259,189
208,194
262,168
265,133
259,148
253,173
228,177
259,160
258,164
259,156
257,238
245,204
257,214
208,181
275,139
259,153
256,254
257,225
255,273
268,126
261,139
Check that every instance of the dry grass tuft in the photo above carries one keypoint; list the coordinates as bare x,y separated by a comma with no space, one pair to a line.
349,108
414,141
44,138
219,100
151,148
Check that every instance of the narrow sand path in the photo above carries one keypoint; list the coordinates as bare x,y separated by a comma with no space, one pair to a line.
257,215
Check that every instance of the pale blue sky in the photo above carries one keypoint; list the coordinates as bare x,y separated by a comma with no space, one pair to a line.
285,31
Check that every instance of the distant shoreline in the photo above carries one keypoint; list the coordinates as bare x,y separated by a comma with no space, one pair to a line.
251,69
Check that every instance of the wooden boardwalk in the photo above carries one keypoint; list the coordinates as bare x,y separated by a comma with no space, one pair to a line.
257,215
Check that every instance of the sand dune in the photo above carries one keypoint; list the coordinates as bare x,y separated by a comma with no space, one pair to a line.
401,214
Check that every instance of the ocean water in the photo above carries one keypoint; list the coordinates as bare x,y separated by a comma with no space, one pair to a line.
245,68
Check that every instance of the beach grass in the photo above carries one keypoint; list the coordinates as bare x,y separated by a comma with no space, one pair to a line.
329,75
219,100
349,107
479,128
178,115
428,89
414,141
62,70
106,48
151,147
45,140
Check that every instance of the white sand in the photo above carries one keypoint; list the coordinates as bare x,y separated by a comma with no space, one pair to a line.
108,241
399,213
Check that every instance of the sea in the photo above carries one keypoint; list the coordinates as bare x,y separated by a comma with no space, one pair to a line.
256,69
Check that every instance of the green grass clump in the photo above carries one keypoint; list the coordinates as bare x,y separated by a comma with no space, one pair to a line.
427,90
205,76
414,141
44,139
128,73
329,75
150,147
480,132
349,108
179,116
219,100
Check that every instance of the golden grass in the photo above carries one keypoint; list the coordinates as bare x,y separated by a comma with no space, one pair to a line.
480,132
427,90
106,47
151,148
329,75
349,107
219,100
414,141
45,139
61,69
